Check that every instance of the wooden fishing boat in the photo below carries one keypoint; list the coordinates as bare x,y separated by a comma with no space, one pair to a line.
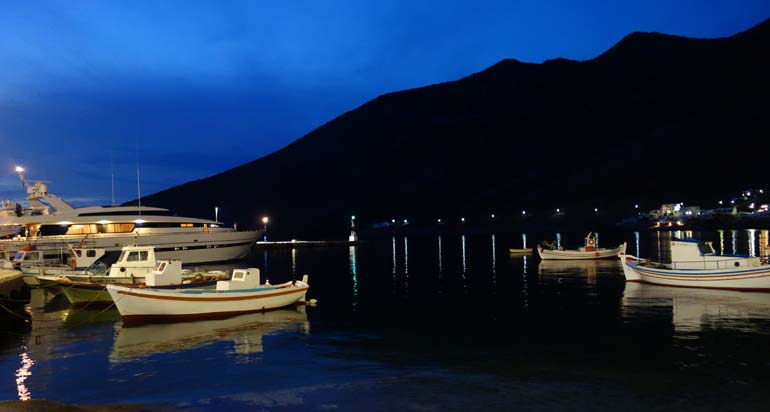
241,294
589,251
167,274
695,264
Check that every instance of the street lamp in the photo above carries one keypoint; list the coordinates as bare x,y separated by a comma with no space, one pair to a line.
264,222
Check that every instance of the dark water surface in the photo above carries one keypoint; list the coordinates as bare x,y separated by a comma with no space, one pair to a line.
428,323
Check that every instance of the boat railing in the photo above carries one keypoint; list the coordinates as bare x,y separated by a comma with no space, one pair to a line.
712,264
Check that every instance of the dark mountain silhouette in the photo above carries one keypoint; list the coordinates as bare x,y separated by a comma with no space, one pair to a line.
655,118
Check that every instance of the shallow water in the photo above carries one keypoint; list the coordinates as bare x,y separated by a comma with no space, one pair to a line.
446,322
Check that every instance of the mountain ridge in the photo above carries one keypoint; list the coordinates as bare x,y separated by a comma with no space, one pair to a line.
448,148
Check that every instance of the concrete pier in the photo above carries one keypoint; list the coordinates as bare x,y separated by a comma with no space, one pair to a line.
11,283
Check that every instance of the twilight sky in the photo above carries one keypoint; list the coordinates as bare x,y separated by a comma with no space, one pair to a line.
193,88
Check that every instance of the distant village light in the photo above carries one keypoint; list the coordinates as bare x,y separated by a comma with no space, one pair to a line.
462,219
392,220
523,212
406,221
720,202
636,206
557,210
438,220
596,209
493,215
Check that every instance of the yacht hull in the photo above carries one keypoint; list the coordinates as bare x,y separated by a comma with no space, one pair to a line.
190,247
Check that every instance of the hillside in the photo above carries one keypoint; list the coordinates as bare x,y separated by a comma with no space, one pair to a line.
655,118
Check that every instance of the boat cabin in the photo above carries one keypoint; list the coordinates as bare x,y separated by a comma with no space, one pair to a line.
694,254
241,279
83,258
165,272
134,261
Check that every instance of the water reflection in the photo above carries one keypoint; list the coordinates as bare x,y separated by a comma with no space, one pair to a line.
494,264
734,234
636,240
752,241
588,270
440,258
558,240
763,243
406,265
294,262
393,249
245,332
23,373
465,265
696,309
354,274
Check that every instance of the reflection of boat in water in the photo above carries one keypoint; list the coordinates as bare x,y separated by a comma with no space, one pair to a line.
588,269
245,331
589,251
693,308
520,251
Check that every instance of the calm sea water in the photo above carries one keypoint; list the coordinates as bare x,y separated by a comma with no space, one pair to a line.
428,323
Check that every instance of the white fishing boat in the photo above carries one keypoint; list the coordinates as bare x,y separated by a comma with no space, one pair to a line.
31,263
241,294
695,264
51,224
588,251
166,274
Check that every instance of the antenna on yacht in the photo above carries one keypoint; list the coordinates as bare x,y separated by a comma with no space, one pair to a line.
138,187
112,168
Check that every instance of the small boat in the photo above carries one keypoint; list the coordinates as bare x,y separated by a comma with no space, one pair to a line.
695,264
520,251
30,262
589,251
241,294
167,274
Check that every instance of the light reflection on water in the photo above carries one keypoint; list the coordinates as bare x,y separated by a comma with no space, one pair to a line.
534,321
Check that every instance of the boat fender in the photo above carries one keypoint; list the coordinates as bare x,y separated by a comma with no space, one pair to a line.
73,264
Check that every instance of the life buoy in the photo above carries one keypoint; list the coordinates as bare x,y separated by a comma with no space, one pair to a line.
597,254
591,242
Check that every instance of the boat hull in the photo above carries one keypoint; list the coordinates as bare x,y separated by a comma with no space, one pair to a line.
548,254
79,294
153,305
750,279
191,248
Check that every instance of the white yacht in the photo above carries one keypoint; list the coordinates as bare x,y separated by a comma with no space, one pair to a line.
51,224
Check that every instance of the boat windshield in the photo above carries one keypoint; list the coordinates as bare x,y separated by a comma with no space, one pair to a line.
705,248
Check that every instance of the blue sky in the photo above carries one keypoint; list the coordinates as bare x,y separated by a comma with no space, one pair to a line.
192,88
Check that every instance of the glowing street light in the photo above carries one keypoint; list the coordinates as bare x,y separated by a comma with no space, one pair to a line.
19,169
596,209
558,210
636,206
523,212
265,219
462,219
492,215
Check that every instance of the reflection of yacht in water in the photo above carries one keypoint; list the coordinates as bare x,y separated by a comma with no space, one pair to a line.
51,224
693,308
245,331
